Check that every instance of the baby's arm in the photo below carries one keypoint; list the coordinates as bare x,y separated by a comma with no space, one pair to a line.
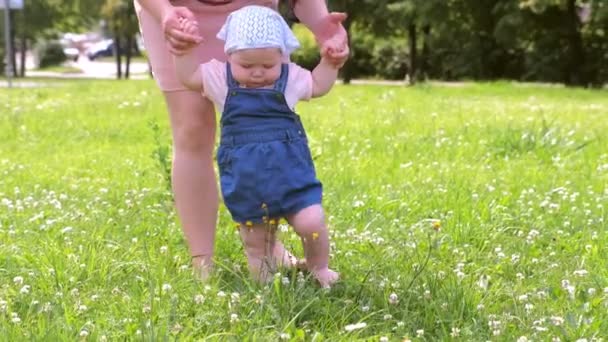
323,76
187,66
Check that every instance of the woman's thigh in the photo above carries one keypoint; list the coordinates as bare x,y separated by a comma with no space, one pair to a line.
193,121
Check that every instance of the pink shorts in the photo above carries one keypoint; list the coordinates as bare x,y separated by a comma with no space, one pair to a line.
210,19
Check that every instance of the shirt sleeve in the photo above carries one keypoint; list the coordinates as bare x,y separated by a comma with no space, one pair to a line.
213,74
299,83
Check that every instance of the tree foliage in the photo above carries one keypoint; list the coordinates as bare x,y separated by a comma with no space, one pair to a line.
532,40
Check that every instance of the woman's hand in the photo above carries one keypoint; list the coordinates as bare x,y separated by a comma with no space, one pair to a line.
333,39
179,41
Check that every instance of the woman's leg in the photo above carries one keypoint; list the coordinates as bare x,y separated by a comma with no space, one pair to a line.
193,176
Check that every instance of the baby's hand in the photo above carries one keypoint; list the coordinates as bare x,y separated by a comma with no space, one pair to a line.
335,52
188,26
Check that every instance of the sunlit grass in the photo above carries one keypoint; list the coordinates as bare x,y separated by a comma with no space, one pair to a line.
470,213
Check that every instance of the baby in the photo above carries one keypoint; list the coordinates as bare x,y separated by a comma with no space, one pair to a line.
265,165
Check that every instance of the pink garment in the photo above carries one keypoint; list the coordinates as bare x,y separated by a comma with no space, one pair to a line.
299,84
210,20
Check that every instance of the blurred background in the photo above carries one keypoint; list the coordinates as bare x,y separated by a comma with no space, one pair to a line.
556,41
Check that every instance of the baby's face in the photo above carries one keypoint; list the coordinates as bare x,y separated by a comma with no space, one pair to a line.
256,68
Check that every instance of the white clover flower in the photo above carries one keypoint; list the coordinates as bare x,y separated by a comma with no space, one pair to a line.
84,333
221,294
18,280
419,332
235,297
284,336
455,332
164,249
393,299
166,287
365,308
383,339
356,326
556,320
483,282
580,273
199,299
358,204
387,317
25,289
234,318
285,281
522,339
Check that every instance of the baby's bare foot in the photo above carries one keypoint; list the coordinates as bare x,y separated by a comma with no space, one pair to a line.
326,277
285,259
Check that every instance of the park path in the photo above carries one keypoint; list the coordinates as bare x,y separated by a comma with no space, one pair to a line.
107,70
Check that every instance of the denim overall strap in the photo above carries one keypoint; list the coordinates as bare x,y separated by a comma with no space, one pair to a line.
281,83
230,81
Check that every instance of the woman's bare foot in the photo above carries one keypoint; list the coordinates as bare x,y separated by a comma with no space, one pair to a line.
326,277
202,266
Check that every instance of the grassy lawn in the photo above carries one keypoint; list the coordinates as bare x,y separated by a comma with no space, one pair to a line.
465,213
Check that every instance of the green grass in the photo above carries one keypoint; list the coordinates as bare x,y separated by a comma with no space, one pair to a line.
516,176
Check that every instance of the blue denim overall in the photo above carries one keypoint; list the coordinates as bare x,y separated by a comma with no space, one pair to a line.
266,170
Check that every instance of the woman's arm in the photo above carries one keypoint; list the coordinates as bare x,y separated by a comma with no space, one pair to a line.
310,13
156,7
327,28
169,18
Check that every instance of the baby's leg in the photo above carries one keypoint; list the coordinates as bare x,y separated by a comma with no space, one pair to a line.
259,243
309,224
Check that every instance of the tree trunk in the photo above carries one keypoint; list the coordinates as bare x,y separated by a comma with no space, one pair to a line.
426,52
128,45
347,70
22,53
13,57
118,56
412,72
574,72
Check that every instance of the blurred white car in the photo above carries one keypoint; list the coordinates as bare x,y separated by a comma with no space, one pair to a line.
71,53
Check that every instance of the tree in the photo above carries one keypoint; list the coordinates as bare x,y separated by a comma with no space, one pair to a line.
122,20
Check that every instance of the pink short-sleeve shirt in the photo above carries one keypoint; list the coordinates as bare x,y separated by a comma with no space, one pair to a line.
213,75
211,15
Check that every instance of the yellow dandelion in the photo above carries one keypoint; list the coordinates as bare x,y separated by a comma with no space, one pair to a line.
249,224
273,222
315,236
264,206
437,224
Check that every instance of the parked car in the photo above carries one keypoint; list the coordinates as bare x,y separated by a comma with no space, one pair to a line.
71,53
104,48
